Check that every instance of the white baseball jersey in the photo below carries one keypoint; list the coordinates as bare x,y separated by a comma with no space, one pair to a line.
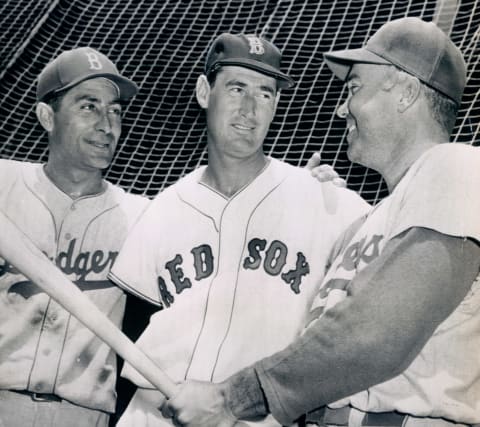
236,276
42,348
443,380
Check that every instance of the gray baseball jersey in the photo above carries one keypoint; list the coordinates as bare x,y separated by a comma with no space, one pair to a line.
42,348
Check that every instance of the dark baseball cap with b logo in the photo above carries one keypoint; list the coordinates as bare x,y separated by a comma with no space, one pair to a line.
77,65
247,51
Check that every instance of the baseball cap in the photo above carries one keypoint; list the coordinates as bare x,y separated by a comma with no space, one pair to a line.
247,51
420,48
77,65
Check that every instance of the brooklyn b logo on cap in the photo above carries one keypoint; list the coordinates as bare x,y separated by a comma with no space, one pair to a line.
256,45
94,61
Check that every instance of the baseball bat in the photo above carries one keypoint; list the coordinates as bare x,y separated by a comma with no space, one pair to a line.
17,248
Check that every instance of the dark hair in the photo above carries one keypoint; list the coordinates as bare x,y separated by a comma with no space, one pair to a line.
54,100
443,109
212,76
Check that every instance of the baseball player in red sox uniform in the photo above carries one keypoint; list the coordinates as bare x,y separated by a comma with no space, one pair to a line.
54,371
235,251
393,335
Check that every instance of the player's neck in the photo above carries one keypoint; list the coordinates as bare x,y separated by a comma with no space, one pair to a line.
75,184
228,176
404,159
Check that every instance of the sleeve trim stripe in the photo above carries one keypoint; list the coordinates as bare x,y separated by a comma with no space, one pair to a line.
133,291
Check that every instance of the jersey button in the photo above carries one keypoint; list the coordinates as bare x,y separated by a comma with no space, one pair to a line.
72,207
68,236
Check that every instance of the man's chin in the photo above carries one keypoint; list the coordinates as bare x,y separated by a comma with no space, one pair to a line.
100,164
352,154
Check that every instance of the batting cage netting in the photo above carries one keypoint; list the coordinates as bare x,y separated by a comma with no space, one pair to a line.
161,45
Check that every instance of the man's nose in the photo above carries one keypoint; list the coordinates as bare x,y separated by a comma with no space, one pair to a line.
342,111
248,104
104,123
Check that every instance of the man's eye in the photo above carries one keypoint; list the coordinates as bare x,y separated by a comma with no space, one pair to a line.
266,96
87,107
236,90
116,111
353,87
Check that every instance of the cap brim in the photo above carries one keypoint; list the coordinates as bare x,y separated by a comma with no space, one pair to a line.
283,80
341,61
127,87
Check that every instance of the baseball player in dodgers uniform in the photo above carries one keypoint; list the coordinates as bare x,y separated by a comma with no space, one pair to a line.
393,335
53,370
235,274
431,385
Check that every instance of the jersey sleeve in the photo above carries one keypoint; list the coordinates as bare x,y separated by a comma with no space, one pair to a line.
344,206
350,206
135,267
396,304
442,193
10,171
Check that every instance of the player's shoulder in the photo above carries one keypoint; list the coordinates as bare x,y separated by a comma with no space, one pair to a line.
10,169
187,183
448,162
303,179
451,152
18,164
293,175
324,197
124,196
132,204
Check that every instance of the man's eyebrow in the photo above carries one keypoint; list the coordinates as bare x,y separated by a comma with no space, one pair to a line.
235,82
268,89
93,98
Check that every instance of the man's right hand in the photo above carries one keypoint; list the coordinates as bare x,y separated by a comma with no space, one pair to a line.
199,404
324,173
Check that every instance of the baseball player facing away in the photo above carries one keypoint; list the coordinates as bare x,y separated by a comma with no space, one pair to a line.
234,252
54,371
393,335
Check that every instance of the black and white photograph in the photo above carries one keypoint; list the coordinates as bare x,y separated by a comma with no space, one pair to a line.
245,213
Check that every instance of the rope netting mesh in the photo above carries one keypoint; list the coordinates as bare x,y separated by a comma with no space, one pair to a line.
161,45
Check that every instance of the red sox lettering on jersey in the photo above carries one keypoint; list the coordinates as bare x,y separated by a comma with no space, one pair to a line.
227,269
273,260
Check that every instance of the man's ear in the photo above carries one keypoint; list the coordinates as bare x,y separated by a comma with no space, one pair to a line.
45,114
410,91
202,91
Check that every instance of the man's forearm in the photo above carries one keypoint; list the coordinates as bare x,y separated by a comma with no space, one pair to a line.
244,395
370,337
